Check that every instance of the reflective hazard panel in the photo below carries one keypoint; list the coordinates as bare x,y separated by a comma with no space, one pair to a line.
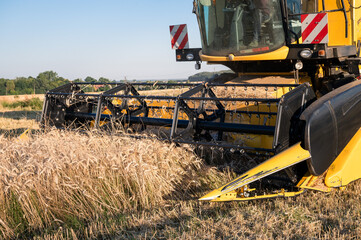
314,28
179,36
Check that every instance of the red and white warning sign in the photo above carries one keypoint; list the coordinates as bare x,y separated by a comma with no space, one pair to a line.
314,28
179,36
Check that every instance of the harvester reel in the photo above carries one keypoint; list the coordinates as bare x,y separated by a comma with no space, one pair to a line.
212,114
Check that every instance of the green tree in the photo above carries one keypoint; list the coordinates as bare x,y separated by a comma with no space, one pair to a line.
10,87
90,79
43,80
48,80
3,86
104,80
78,80
22,85
105,87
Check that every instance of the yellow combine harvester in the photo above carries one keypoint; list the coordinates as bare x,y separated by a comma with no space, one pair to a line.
294,103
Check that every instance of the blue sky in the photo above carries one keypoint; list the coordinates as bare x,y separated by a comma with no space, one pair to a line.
99,38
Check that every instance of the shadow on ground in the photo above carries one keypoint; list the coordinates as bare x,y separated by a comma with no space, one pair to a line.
16,132
16,128
17,115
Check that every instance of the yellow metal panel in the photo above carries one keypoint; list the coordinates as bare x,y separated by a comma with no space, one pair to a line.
24,135
347,166
232,196
278,54
356,21
336,23
310,182
287,158
305,180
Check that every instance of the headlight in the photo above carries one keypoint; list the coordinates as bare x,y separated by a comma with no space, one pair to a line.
190,56
198,66
299,65
306,53
231,57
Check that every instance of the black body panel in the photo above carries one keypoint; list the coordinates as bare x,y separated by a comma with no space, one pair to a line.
330,123
181,54
330,52
290,108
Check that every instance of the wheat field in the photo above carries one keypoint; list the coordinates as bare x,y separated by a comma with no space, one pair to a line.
68,185
72,185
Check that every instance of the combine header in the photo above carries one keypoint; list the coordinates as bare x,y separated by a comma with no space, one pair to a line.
293,103
211,114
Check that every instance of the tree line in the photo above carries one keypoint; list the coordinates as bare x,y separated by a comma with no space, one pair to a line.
48,80
44,82
30,85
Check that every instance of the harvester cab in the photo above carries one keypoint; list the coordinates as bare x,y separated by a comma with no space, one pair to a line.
292,103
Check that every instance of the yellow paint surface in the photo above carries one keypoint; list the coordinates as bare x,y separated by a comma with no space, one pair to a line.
346,167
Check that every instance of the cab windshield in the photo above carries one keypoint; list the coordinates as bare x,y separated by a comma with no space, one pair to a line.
240,27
